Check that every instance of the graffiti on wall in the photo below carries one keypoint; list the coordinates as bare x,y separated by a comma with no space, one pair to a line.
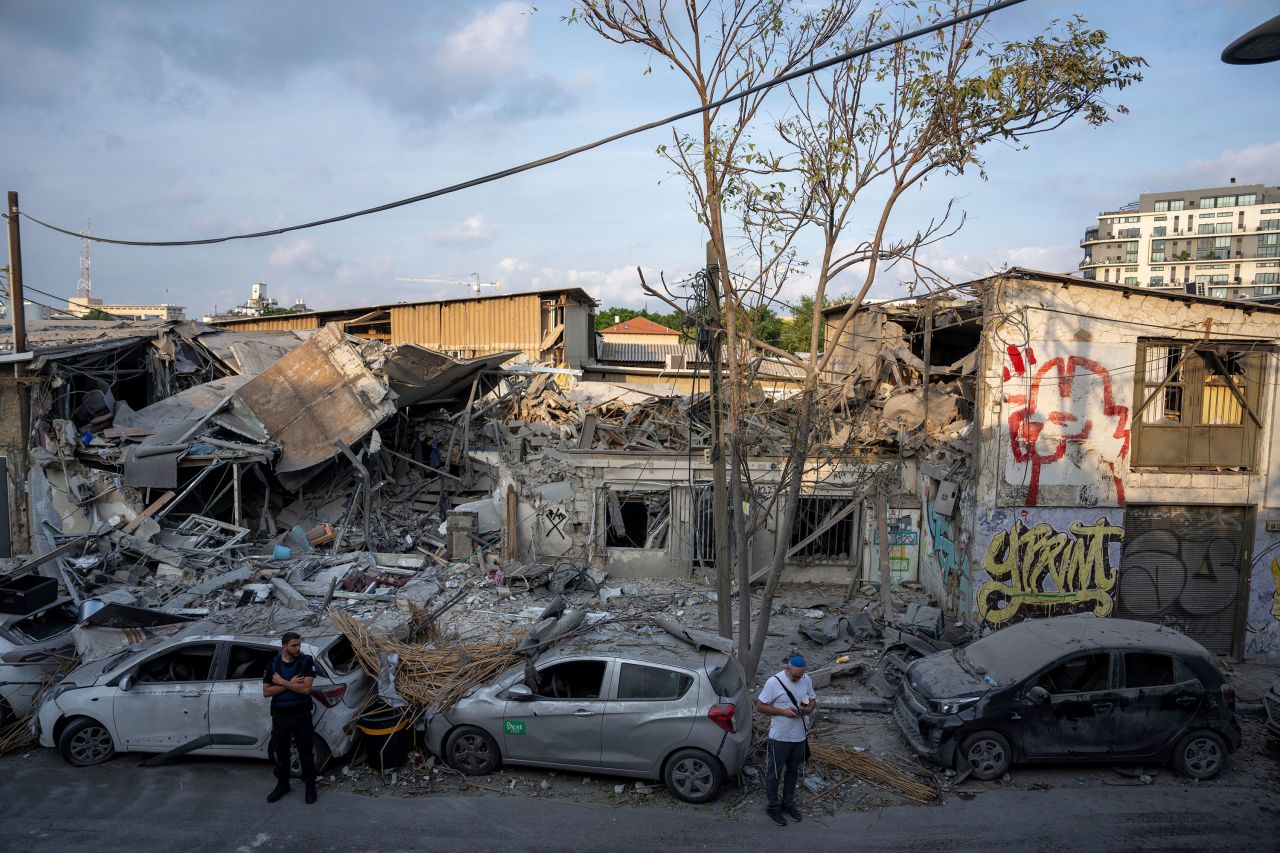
952,560
1186,573
1053,406
1275,578
1040,571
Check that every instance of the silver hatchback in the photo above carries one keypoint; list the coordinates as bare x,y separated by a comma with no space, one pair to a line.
648,707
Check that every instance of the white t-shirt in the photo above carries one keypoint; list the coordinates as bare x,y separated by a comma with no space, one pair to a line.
790,729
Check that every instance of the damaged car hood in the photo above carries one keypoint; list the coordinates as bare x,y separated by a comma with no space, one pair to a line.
942,676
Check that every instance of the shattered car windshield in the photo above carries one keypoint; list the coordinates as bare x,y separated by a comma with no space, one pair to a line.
1001,658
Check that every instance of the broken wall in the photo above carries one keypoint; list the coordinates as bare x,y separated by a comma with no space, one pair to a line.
1058,499
565,510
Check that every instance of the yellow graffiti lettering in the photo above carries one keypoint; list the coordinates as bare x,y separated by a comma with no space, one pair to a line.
1275,600
1042,568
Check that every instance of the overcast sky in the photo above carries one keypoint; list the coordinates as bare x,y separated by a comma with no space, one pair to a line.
175,120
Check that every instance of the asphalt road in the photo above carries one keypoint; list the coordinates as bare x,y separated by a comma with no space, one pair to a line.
219,806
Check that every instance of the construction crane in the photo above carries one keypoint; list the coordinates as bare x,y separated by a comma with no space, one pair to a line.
474,285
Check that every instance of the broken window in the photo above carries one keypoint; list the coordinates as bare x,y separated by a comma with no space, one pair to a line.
638,519
1146,669
342,656
1083,674
1198,403
47,624
187,663
575,679
704,526
824,528
651,682
248,662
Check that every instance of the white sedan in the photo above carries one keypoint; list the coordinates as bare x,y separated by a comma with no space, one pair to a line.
197,692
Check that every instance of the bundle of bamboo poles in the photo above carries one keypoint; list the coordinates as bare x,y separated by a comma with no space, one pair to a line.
835,756
869,768
429,678
17,734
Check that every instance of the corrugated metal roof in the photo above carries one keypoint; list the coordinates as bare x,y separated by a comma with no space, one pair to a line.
645,353
577,294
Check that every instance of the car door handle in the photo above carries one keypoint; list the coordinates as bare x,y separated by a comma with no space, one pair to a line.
583,712
1103,706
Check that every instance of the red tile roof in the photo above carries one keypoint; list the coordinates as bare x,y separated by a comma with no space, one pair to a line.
638,326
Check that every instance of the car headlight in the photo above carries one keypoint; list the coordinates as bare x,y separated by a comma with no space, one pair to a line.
56,691
946,707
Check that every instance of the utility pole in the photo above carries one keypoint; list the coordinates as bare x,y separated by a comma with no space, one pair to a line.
17,308
18,317
928,355
719,478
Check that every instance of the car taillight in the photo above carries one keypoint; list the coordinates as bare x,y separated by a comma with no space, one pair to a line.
1229,697
722,716
329,695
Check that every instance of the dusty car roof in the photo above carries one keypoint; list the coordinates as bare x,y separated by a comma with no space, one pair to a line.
1026,645
210,628
643,642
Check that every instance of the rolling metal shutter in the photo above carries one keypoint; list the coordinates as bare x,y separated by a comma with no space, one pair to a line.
1183,566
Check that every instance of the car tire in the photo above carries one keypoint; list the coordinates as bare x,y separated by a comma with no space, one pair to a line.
472,751
1200,755
986,754
85,742
693,776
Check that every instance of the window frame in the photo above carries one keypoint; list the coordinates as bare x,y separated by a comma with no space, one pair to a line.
1112,674
1204,444
615,693
1177,663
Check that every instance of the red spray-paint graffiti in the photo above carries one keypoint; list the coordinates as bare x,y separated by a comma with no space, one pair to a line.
1047,425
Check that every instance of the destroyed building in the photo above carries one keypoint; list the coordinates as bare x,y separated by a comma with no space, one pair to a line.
181,465
1124,458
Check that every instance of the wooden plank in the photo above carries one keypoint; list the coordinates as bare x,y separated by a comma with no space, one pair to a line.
587,438
151,510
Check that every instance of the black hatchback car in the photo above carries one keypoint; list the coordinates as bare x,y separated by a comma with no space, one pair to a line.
1073,689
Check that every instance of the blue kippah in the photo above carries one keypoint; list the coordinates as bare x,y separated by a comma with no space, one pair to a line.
798,660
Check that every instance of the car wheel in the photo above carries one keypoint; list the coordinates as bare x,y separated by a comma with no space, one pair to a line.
472,751
693,776
86,742
987,754
1200,755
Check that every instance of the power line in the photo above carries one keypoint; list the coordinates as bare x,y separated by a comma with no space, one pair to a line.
77,316
562,155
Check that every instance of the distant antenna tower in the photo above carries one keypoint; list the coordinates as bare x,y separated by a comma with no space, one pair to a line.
84,287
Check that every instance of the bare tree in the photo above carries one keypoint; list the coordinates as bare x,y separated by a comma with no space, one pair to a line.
850,141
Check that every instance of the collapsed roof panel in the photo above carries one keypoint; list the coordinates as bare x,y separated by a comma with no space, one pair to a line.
318,393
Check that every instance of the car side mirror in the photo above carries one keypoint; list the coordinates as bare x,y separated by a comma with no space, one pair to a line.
519,692
126,682
1038,694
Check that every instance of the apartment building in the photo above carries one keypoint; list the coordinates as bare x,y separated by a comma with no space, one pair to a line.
1221,242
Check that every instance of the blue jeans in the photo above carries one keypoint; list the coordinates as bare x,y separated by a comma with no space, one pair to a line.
782,757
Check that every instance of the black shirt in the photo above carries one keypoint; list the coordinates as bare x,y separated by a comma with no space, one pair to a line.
288,700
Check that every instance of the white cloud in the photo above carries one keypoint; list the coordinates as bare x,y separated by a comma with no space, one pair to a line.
492,44
618,287
1059,259
298,254
1254,164
472,231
